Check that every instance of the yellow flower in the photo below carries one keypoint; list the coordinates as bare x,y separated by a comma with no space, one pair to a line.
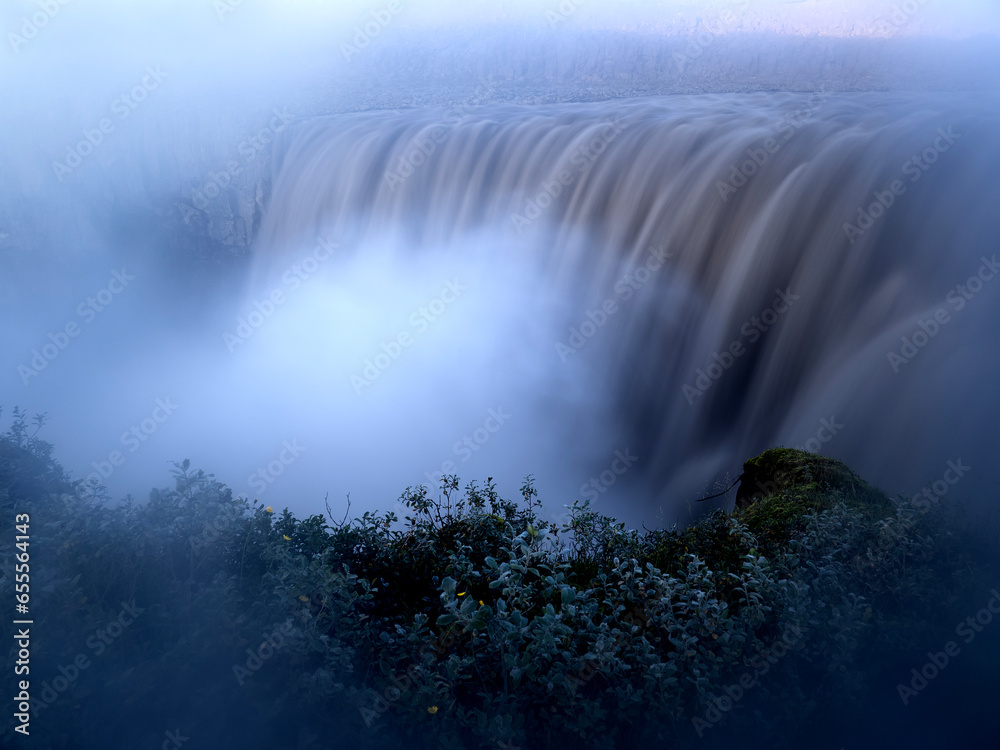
432,710
287,538
461,593
270,509
480,602
303,598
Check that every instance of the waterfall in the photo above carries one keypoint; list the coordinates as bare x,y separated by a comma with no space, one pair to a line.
722,273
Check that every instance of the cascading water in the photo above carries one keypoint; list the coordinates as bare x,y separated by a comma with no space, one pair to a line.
714,274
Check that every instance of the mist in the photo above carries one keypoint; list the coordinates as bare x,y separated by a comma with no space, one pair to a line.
198,264
607,255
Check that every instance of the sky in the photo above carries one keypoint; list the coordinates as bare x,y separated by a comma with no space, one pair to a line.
955,18
45,43
212,26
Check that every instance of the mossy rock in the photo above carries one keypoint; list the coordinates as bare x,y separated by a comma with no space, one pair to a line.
781,485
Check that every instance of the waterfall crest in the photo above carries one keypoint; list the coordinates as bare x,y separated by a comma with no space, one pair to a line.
791,245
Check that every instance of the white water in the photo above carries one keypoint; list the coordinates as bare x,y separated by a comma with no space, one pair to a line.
645,175
652,191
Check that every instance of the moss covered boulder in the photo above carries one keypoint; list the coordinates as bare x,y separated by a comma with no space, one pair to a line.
782,485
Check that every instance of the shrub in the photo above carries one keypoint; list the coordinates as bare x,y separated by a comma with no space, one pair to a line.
477,624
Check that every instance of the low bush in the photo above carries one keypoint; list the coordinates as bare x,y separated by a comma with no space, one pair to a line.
476,625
